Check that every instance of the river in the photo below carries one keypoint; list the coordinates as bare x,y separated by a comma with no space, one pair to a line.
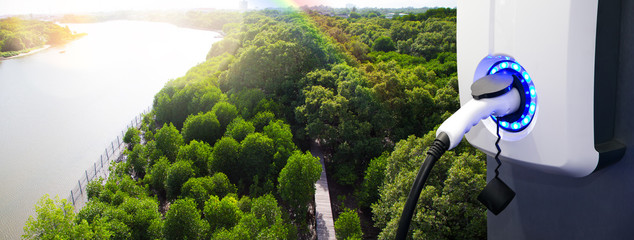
61,107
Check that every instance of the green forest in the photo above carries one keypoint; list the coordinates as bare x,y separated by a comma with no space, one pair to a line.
21,36
224,152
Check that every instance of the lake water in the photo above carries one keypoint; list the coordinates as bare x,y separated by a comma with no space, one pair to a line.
61,107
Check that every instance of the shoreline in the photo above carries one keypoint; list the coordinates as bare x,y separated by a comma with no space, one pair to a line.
27,53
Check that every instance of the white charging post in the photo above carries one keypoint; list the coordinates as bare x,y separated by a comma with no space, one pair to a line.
554,43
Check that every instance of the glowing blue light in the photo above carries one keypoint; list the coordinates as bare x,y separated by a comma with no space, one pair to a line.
527,77
507,65
515,126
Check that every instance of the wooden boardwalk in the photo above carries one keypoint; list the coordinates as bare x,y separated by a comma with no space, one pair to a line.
323,210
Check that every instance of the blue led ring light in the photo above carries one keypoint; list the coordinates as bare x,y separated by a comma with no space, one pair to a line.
523,82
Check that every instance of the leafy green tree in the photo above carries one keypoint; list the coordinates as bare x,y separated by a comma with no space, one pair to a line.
245,204
158,175
94,188
13,43
373,179
225,158
182,221
358,49
132,137
203,127
322,77
447,208
402,31
348,225
262,119
221,186
140,215
256,155
92,212
168,141
282,137
189,95
197,189
152,153
246,101
248,227
238,129
384,44
297,181
266,208
225,112
199,154
138,161
201,188
222,213
177,175
226,45
54,220
321,112
271,67
278,230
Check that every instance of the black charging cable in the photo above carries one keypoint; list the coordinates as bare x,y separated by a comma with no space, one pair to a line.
497,146
437,149
496,195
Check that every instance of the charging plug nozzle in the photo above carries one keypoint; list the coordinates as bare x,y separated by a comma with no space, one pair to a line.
492,95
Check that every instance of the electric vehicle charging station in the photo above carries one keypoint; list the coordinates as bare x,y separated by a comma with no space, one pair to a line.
578,55
554,59
566,59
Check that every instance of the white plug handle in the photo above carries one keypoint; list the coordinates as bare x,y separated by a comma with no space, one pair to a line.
473,111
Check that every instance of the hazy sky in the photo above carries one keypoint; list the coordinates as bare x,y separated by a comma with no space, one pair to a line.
78,6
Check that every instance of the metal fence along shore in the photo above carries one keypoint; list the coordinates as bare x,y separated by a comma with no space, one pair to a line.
101,168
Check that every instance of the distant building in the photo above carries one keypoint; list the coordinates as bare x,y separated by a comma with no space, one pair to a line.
350,6
392,15
243,6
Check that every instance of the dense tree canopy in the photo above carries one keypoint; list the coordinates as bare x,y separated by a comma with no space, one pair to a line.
370,89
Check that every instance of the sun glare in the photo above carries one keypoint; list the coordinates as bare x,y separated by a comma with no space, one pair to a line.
9,7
